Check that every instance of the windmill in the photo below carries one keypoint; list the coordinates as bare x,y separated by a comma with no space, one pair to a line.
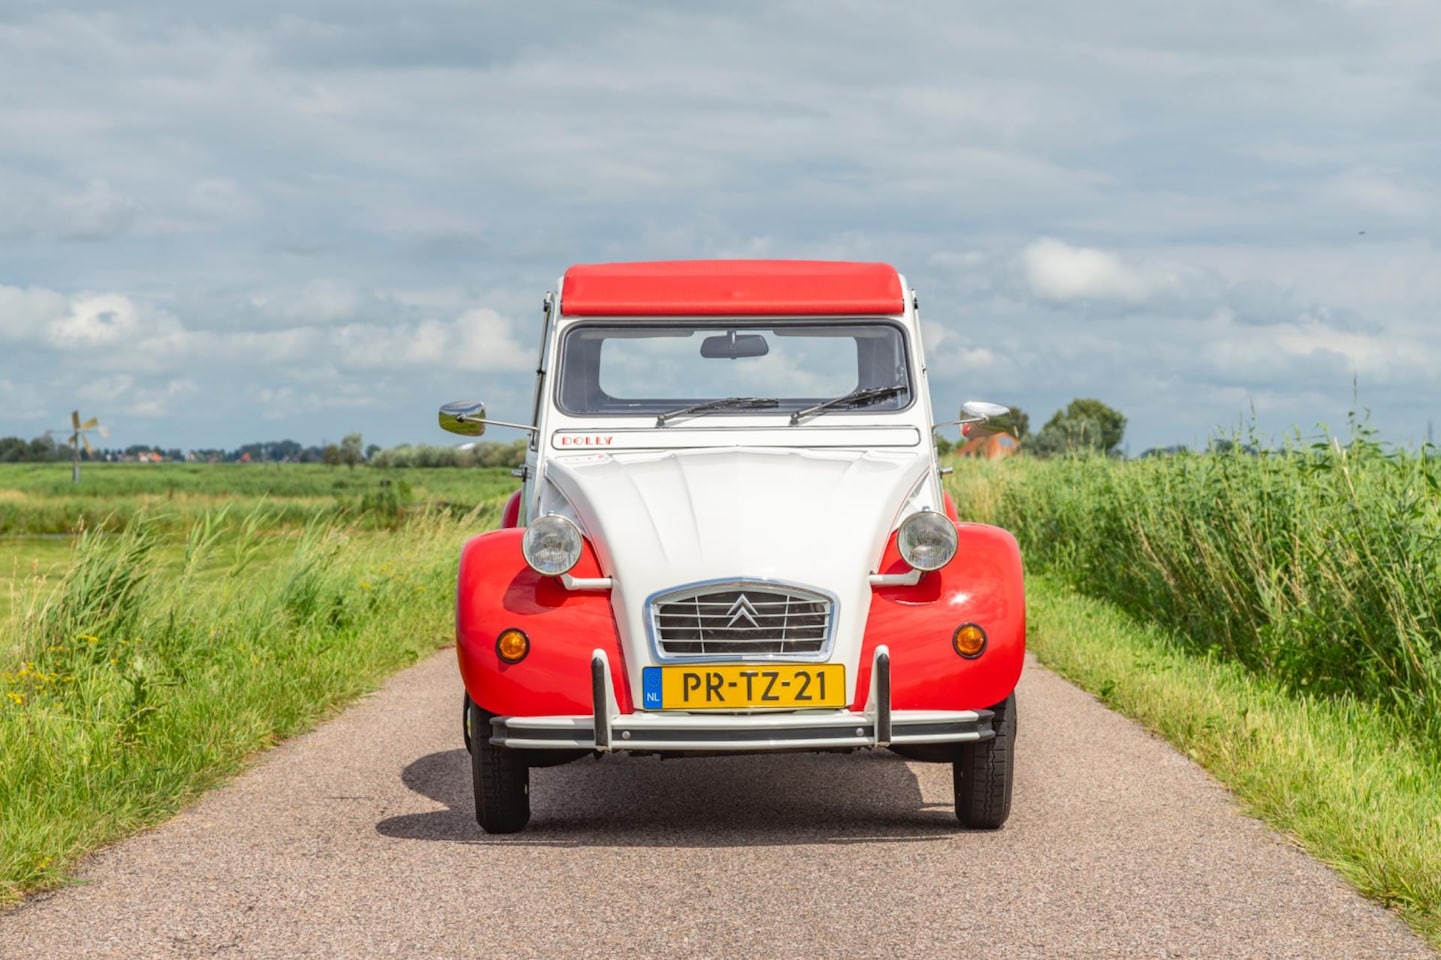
78,437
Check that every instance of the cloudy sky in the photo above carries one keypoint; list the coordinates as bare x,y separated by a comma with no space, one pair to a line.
302,219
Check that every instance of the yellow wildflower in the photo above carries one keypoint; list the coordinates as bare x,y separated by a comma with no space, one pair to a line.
18,698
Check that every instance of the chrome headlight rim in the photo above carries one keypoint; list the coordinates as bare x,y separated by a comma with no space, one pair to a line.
927,540
551,545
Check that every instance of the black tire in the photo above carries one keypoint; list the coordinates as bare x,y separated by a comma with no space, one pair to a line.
501,779
465,719
983,772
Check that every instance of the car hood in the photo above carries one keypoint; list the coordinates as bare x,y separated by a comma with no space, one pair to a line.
689,515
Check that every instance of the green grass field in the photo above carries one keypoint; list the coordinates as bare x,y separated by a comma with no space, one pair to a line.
156,653
41,499
27,561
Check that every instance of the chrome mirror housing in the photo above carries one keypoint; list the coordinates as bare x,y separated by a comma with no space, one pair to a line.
978,411
465,417
975,410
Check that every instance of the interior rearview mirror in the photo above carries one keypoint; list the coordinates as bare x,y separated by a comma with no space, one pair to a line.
733,346
465,417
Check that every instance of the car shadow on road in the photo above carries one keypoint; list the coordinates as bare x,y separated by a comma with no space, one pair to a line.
625,800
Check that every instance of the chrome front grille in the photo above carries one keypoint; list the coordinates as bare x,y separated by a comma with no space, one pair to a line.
741,620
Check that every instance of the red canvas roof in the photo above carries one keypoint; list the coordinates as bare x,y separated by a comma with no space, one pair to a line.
731,288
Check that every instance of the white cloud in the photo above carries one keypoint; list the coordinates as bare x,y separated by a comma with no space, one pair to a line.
119,395
25,311
950,354
111,330
1055,270
319,301
163,400
1368,195
80,324
283,403
96,321
1373,356
106,389
94,213
20,401
222,200
479,339
433,299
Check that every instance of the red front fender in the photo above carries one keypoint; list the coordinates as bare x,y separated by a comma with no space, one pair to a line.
510,516
983,584
496,591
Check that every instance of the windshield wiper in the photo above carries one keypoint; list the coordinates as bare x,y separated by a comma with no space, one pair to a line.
856,398
727,403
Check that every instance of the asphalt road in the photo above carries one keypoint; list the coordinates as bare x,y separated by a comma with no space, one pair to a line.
358,840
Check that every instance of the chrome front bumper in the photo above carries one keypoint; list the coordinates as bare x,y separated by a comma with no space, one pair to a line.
607,729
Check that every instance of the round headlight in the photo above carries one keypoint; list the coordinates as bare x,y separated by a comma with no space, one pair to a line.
927,540
551,545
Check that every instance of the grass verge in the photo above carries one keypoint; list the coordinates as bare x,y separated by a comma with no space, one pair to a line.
1340,776
155,667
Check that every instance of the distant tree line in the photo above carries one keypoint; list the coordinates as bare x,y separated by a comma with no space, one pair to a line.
478,455
39,450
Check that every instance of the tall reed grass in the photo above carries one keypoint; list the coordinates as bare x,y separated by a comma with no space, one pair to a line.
1317,565
157,665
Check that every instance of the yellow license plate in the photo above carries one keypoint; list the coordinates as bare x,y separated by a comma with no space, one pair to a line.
710,686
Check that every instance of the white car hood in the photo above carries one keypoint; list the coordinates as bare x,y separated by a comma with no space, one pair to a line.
662,519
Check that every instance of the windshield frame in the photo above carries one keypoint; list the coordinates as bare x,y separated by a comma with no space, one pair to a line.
649,408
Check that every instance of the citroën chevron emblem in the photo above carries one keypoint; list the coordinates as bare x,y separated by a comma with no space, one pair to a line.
742,609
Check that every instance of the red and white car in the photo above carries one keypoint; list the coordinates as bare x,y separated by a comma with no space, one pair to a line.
732,537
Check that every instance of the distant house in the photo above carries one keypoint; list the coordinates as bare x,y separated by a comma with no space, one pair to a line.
990,446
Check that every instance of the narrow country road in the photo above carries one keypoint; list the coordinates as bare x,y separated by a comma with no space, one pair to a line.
358,840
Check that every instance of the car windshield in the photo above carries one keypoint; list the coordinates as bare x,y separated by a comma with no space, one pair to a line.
617,369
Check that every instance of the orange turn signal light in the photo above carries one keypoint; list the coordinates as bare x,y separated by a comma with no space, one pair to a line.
969,640
512,645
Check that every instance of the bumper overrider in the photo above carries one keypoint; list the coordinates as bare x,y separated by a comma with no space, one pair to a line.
606,729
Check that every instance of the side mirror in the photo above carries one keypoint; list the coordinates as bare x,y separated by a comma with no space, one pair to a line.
465,417
734,346
980,410
976,411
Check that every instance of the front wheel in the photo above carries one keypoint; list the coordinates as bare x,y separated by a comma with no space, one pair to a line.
500,776
983,772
